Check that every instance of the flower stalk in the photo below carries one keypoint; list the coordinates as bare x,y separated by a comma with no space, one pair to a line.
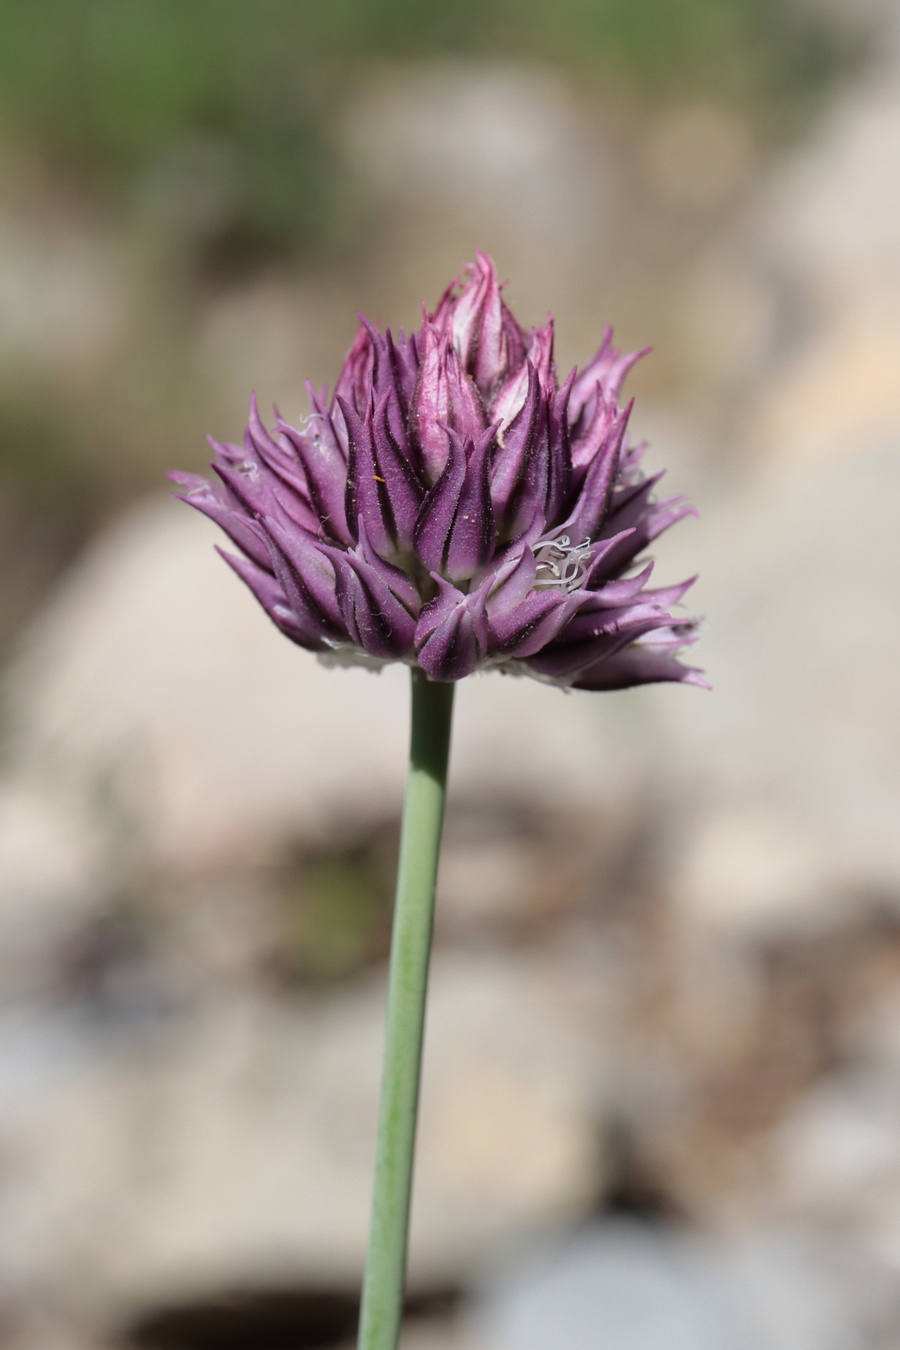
423,816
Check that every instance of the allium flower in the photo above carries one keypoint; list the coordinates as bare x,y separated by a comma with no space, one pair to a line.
455,507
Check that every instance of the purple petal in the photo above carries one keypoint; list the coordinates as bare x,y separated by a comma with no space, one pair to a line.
444,397
647,520
455,530
205,497
635,666
254,486
595,494
270,595
403,490
619,592
594,621
378,602
438,511
594,434
535,621
447,636
301,564
559,458
519,476
540,354
376,620
325,471
606,369
362,499
471,541
335,444
354,384
667,596
397,581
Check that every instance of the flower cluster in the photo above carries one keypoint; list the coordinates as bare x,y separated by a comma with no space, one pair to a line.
454,506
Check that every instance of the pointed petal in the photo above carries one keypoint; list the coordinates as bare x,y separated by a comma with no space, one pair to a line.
471,541
335,445
208,498
540,354
438,511
607,368
667,596
444,397
354,384
596,492
533,623
447,636
613,593
636,666
375,618
366,496
559,451
301,564
403,491
325,471
270,595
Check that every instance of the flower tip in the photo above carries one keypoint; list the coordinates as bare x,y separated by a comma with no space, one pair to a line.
485,263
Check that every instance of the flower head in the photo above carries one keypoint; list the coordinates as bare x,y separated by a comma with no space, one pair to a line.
456,507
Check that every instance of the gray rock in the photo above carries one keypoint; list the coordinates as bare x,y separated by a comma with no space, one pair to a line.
501,144
631,1286
233,1147
153,675
788,773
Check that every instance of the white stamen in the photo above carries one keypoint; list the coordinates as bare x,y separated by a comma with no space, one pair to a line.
307,429
561,563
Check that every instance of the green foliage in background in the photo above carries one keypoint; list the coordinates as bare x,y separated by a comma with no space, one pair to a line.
338,908
203,133
111,89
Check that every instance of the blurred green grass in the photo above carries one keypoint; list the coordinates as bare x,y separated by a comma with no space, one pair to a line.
203,137
106,87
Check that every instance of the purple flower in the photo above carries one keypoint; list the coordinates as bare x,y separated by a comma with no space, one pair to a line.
454,506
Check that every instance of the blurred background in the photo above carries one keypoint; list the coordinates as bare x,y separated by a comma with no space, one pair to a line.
662,1094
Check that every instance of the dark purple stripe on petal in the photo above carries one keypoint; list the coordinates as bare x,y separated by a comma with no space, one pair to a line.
511,457
531,625
596,492
366,491
403,491
438,511
559,461
325,471
376,620
354,384
444,397
270,595
471,542
240,528
619,592
635,666
303,568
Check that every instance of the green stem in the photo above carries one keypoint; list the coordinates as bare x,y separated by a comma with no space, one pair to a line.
420,840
